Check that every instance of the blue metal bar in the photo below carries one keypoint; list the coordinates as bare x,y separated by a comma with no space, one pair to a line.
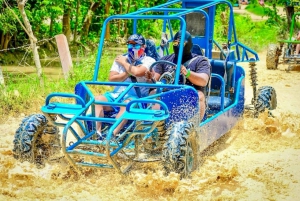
64,95
222,95
233,105
158,6
95,165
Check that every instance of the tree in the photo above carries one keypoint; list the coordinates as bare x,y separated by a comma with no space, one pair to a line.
88,18
67,21
32,38
107,11
7,26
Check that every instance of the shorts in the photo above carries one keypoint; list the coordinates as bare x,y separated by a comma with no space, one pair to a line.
112,96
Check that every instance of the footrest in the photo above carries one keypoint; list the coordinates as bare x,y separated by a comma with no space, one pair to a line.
141,114
145,115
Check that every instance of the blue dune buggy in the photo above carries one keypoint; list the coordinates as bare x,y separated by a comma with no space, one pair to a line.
173,134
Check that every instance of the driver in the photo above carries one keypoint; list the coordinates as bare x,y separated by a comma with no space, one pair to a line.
195,68
129,68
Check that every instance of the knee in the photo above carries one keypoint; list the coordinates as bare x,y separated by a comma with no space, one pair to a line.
101,98
201,96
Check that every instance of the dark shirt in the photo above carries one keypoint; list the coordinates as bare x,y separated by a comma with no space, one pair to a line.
198,65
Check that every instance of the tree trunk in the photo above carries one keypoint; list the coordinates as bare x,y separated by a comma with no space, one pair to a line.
2,40
33,40
7,38
107,9
289,14
88,18
126,28
76,20
67,23
120,13
51,26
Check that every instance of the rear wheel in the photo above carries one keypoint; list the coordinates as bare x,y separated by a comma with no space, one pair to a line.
266,99
36,140
272,56
180,152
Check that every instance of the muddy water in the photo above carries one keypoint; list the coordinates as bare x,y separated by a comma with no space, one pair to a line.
257,160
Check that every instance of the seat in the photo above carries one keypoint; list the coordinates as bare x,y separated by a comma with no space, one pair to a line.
151,49
196,49
221,83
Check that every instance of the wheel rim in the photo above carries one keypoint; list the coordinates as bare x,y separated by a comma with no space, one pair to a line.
189,158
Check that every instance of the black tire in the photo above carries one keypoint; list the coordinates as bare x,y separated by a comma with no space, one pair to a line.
266,99
272,57
180,153
32,143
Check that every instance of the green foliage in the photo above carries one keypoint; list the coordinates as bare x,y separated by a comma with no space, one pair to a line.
7,20
256,34
257,9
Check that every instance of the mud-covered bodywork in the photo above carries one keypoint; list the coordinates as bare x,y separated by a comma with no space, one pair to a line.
172,133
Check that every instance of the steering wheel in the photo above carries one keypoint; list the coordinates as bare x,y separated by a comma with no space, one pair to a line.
166,77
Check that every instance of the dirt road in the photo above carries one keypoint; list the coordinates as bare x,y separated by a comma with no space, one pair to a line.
254,17
258,160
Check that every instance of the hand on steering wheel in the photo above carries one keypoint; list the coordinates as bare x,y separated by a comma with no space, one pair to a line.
167,77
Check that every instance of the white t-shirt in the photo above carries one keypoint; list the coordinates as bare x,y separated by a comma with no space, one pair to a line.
146,62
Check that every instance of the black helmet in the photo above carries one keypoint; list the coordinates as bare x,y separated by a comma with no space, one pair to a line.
137,39
188,43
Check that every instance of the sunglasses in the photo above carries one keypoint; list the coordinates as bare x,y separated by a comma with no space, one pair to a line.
135,46
177,43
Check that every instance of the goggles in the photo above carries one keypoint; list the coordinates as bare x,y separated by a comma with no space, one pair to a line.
135,46
177,43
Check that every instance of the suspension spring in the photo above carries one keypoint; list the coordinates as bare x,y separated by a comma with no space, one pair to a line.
253,76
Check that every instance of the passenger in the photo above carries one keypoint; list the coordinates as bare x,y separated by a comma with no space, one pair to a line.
129,68
195,68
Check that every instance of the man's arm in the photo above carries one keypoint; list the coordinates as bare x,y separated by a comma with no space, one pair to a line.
118,77
136,71
153,75
197,78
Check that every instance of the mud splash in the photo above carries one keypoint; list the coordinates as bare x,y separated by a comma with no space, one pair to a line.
259,159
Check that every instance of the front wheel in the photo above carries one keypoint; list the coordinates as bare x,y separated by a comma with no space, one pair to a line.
36,140
266,99
180,152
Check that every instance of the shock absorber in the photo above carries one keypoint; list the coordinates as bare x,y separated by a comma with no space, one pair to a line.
253,76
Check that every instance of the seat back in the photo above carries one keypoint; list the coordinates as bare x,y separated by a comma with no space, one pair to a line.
222,77
151,49
197,50
218,67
